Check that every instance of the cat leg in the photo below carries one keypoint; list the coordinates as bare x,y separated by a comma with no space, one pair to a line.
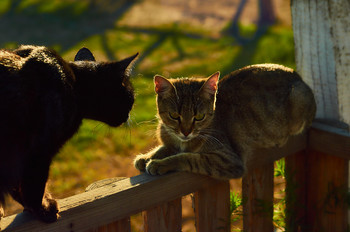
31,193
2,213
158,152
214,164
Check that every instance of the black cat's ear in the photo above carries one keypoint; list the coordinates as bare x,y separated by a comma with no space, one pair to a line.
84,54
211,85
127,61
162,85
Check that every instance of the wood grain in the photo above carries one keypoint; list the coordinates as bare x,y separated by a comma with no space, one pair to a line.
296,192
212,208
327,187
166,217
330,140
111,203
321,32
258,186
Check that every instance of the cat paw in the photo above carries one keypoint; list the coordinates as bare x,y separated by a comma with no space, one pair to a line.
140,163
48,212
157,167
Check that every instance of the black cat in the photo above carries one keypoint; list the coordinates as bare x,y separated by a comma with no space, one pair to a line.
43,100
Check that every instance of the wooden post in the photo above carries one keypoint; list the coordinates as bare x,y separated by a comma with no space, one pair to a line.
122,225
321,32
258,199
296,187
164,218
212,208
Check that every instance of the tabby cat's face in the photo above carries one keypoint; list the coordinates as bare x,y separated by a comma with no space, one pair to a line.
186,106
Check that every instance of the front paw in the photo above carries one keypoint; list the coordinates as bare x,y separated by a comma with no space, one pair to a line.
157,167
140,163
48,212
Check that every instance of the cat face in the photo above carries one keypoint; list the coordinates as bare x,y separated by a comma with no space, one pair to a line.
104,90
186,106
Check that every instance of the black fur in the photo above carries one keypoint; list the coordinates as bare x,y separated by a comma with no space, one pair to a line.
43,100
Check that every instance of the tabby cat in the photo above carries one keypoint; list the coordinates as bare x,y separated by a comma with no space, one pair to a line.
210,127
43,100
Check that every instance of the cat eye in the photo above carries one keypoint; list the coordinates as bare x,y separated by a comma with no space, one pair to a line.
174,115
199,117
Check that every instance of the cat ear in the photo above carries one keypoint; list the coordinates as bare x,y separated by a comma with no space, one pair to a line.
84,54
161,84
211,85
127,61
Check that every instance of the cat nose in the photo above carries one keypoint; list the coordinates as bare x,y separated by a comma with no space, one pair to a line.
186,133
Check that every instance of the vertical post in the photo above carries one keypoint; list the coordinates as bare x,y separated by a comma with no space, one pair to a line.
296,187
164,218
122,225
258,199
321,32
212,208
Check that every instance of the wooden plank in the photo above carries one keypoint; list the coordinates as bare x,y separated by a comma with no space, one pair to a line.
330,140
110,203
296,188
122,225
212,208
164,218
257,186
327,184
266,156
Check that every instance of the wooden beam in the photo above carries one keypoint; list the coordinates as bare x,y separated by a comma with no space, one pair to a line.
164,218
296,192
111,203
330,140
257,186
212,208
327,188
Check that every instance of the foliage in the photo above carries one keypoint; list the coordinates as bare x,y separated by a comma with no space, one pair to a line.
280,168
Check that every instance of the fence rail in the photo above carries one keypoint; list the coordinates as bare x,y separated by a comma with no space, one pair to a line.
109,207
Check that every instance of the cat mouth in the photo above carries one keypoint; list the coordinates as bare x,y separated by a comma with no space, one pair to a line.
184,138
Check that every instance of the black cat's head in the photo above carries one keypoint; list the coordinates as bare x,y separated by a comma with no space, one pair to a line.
104,91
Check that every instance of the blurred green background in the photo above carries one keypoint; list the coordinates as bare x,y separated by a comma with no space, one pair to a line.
174,39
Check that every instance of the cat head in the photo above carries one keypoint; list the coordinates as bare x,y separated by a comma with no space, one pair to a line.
103,89
186,105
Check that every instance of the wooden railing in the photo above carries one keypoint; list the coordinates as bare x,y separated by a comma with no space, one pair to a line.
312,204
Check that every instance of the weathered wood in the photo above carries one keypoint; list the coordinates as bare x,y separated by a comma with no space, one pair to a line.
122,225
164,218
321,32
296,188
257,186
327,186
113,202
330,140
212,208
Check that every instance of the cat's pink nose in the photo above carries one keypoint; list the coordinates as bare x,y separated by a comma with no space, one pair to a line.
186,133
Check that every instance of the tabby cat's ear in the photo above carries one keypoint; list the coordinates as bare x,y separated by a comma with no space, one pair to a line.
127,61
211,84
84,54
162,85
